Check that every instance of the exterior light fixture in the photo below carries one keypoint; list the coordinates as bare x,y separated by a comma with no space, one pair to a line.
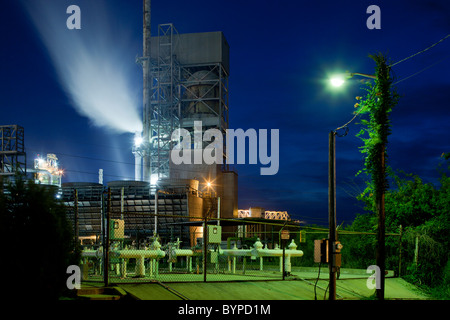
339,80
138,140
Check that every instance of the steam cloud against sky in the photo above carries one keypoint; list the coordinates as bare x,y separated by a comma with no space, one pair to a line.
90,63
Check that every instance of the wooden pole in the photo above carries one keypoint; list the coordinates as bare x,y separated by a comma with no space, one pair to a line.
332,214
400,252
381,234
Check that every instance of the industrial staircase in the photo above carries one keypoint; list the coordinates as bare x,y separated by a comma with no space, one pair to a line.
210,206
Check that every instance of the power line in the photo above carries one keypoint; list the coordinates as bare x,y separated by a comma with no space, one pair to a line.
420,51
424,69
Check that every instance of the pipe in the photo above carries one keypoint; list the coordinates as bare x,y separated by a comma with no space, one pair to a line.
137,167
155,253
156,211
218,211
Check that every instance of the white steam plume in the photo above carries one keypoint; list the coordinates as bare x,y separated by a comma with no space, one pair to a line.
91,62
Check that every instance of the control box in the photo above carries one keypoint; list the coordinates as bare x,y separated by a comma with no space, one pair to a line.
116,229
215,234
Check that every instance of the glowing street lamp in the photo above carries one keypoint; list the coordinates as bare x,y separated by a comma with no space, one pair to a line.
334,247
339,79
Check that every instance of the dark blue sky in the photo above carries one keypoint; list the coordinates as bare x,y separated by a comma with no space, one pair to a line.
282,53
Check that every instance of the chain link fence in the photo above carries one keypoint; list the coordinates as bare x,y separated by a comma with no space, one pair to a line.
163,257
129,237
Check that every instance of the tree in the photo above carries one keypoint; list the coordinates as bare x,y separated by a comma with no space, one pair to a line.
423,211
38,240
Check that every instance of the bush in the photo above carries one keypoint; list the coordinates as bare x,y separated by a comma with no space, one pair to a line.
39,243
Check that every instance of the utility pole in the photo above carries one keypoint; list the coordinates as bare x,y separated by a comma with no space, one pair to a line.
332,214
381,234
381,117
106,244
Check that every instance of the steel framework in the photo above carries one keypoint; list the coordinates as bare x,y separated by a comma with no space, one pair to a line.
12,150
214,98
165,98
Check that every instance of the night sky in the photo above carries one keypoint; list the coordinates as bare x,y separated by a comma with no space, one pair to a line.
282,53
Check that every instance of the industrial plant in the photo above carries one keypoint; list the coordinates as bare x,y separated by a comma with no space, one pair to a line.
176,206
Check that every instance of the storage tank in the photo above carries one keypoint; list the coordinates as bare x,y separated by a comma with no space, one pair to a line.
202,95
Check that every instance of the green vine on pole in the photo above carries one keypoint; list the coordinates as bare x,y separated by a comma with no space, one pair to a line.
378,104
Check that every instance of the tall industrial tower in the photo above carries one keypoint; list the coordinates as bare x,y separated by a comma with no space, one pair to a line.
141,147
185,79
161,111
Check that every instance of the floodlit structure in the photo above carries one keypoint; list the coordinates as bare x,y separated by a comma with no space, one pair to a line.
185,79
47,171
258,212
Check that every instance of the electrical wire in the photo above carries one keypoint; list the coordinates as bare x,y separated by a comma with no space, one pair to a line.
411,56
424,69
345,126
315,285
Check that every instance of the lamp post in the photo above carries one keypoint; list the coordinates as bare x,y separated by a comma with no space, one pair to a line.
334,247
332,215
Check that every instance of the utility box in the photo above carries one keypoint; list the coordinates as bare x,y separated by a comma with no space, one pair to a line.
214,257
116,229
321,251
215,234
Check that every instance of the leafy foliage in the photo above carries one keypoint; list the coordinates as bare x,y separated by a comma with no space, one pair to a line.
378,104
38,237
423,211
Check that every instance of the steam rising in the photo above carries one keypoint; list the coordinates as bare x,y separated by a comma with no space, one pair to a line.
91,62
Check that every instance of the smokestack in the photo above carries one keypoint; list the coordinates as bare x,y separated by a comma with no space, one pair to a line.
146,92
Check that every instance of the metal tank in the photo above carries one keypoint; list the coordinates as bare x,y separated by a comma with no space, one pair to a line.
201,95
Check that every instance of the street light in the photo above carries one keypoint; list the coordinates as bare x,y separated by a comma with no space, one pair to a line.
339,79
334,247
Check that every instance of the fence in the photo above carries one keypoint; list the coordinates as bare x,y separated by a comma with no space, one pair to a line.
242,256
164,257
126,241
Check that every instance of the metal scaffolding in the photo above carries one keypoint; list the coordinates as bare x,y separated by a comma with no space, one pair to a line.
165,107
12,150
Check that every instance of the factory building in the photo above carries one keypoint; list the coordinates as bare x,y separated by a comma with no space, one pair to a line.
185,83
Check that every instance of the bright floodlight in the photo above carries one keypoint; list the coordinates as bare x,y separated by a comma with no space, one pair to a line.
208,184
138,140
154,178
337,81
